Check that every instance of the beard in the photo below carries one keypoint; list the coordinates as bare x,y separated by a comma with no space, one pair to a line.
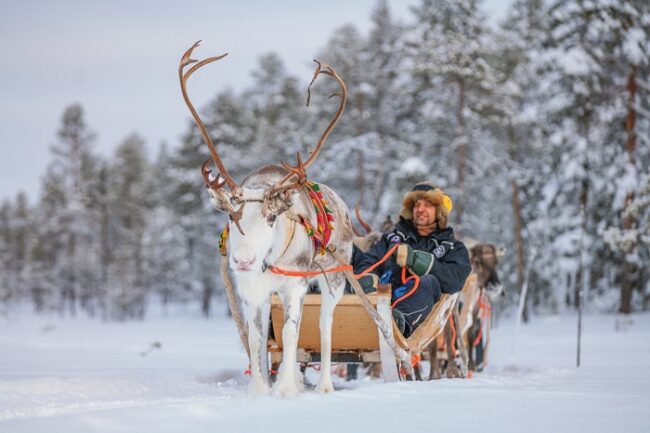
425,224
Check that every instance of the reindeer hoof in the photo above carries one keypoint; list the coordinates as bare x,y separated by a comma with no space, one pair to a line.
325,388
258,388
285,388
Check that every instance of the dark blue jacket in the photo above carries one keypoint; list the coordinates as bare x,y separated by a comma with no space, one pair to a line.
451,266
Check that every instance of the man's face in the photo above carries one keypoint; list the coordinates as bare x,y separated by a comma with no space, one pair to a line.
424,213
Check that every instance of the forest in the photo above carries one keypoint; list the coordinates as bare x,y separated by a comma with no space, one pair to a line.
537,127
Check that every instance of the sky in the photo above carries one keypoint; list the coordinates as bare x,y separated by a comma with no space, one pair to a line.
119,60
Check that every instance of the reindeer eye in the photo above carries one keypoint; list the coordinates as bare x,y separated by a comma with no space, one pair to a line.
270,219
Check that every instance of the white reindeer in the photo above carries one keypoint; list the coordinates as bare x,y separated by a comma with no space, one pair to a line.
263,214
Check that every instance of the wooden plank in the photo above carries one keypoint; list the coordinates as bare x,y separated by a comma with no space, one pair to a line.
352,328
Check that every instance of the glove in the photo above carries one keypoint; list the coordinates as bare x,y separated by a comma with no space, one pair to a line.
369,283
404,255
422,262
400,291
419,262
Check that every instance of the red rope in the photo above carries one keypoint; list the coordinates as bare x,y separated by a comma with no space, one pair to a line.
248,371
405,279
416,284
290,273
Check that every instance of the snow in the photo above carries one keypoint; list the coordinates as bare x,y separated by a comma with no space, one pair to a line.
82,375
634,42
413,165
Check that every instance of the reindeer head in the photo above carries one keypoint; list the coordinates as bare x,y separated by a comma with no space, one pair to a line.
484,258
254,209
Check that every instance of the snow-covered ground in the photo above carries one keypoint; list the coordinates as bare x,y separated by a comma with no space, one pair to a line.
82,375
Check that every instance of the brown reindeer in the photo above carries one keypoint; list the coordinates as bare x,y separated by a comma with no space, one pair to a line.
462,340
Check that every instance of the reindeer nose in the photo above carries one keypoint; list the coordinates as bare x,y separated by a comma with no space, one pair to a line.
244,263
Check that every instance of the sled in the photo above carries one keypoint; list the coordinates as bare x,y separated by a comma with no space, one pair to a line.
355,335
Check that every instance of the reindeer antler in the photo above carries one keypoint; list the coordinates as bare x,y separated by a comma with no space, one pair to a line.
324,68
214,185
365,225
183,77
211,183
299,170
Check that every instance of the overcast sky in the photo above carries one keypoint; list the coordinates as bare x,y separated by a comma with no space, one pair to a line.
119,60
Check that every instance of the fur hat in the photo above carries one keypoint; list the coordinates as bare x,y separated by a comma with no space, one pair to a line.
434,195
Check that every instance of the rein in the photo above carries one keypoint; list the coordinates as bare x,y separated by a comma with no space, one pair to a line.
341,268
321,236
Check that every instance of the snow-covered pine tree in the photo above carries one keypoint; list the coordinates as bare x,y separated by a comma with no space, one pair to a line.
450,40
521,133
163,240
587,106
5,255
74,166
130,203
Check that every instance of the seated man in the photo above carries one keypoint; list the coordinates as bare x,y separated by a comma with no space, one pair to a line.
427,248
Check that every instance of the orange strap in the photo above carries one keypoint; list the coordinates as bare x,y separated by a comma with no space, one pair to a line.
341,268
416,284
405,279
289,273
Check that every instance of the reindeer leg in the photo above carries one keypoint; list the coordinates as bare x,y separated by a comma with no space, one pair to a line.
289,381
258,325
460,344
452,370
417,370
434,370
328,303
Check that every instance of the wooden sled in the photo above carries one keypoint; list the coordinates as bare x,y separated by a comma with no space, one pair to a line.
355,336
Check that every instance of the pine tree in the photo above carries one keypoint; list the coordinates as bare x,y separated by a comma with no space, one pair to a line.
75,167
449,41
5,255
520,42
587,44
130,186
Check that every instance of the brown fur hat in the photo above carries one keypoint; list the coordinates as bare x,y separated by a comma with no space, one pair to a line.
434,195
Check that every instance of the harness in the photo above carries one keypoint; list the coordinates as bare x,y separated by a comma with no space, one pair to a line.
320,235
324,219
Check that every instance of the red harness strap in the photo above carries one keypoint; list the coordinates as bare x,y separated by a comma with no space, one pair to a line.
405,279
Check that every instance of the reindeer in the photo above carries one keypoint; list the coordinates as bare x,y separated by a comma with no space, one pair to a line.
263,212
484,259
483,287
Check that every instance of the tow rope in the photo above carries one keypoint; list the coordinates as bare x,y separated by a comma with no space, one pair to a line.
322,239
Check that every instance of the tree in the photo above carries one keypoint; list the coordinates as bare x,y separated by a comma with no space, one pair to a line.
450,42
74,166
130,185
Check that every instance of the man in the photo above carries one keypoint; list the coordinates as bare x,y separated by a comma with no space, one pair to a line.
427,248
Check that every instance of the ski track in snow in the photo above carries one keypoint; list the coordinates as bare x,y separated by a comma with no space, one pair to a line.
82,375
